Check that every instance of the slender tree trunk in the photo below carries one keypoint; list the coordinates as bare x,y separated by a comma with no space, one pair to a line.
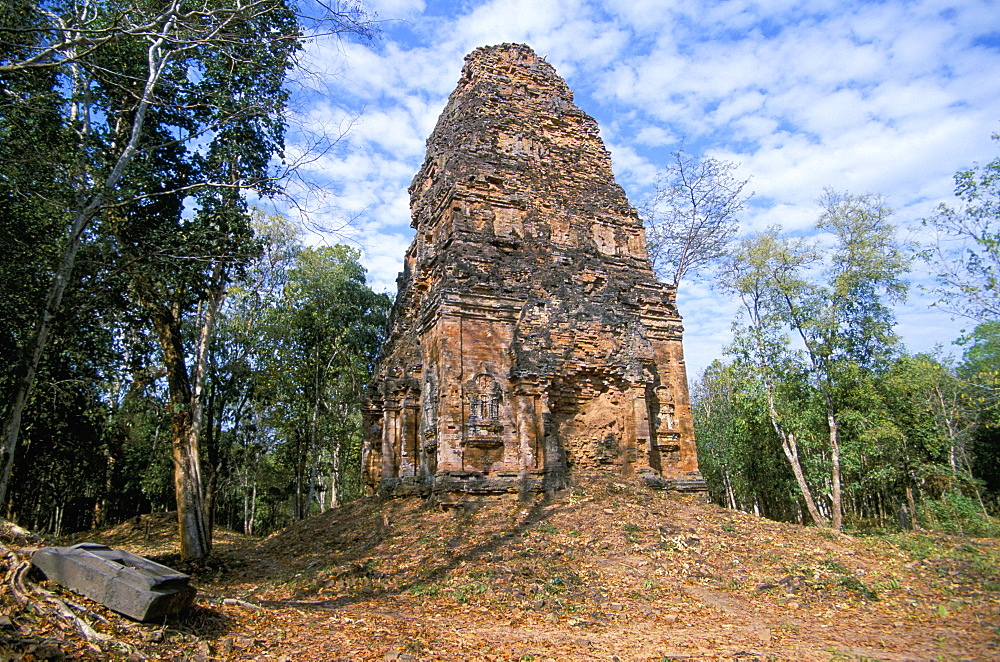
253,504
790,447
335,476
192,518
313,448
729,491
791,450
912,503
245,484
835,500
29,366
334,492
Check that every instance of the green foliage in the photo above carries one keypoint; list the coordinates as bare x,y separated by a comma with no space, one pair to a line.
424,590
967,251
834,305
130,138
296,345
738,451
958,513
817,377
904,429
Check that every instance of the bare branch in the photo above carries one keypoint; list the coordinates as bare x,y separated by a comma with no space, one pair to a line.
692,216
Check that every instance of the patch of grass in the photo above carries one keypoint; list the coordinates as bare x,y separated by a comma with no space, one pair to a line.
463,592
957,513
833,565
919,546
424,590
546,527
984,564
555,585
632,528
855,584
728,528
888,584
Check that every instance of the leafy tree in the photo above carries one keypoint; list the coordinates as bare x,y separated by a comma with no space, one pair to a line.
327,331
838,312
738,451
762,273
924,399
691,217
239,445
157,109
980,372
967,251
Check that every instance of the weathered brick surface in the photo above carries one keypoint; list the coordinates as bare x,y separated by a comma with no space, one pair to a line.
530,341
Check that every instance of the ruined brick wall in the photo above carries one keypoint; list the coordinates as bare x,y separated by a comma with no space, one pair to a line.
530,341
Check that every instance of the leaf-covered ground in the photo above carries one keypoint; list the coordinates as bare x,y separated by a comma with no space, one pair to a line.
607,572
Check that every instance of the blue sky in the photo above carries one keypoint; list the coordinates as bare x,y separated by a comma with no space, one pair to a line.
885,97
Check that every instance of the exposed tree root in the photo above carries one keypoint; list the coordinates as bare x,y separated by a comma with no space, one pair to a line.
47,605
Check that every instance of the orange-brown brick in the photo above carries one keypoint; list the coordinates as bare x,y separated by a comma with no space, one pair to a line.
531,343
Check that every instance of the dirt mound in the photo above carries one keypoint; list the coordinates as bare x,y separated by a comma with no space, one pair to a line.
610,571
153,534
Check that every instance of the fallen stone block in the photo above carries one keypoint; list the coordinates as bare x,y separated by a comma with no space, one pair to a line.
129,584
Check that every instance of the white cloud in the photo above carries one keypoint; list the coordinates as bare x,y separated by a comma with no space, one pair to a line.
888,97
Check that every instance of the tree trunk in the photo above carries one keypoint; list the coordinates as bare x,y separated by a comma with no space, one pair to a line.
729,491
192,518
835,496
913,507
335,476
791,449
253,505
789,446
245,484
313,453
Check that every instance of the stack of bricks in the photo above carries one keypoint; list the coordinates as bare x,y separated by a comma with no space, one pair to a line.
530,342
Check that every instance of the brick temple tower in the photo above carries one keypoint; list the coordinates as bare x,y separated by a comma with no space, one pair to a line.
530,342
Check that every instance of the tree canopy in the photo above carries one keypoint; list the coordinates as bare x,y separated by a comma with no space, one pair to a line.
162,119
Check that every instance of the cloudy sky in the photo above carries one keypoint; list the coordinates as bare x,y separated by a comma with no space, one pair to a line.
885,97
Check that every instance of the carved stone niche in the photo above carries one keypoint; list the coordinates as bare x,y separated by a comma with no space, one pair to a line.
483,428
428,414
667,436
